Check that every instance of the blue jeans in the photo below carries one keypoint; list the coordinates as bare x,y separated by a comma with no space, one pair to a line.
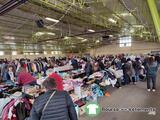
151,79
137,76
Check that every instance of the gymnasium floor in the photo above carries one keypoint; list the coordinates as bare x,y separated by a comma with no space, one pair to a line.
130,96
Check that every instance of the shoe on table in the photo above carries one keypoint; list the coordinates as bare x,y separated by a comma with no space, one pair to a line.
154,90
149,90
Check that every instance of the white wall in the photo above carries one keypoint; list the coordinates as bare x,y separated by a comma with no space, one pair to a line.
138,47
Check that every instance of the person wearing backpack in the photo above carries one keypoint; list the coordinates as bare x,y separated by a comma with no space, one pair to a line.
151,73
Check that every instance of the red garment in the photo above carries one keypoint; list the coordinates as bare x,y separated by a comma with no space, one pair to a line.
58,80
6,109
25,66
25,78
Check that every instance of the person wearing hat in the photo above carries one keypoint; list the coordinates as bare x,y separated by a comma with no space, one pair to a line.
58,79
53,104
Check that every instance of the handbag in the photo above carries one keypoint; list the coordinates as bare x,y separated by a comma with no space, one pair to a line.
47,103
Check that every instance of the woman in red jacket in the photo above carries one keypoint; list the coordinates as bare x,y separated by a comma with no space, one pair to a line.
58,80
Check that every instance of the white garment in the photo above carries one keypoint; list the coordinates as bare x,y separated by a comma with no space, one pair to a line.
92,109
11,74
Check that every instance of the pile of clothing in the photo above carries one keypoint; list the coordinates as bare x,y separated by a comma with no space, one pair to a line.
15,107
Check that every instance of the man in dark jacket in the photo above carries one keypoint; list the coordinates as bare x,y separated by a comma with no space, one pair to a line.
88,69
53,105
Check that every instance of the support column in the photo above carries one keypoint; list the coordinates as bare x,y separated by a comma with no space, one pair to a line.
155,16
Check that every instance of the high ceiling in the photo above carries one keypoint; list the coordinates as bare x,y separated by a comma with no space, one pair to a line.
74,25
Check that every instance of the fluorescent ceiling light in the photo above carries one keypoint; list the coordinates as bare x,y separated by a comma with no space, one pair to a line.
50,33
145,32
66,37
116,16
84,40
110,35
112,20
138,26
132,31
73,46
39,33
36,53
31,53
80,38
97,41
9,37
126,14
90,30
51,19
44,33
51,41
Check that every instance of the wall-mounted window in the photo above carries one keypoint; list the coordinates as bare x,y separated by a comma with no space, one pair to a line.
45,52
14,52
37,53
125,41
1,53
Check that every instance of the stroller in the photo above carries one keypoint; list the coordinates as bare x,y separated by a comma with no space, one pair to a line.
142,75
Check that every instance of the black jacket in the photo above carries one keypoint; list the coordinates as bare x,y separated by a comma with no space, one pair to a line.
60,107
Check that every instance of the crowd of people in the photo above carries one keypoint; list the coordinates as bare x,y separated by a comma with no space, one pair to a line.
24,71
135,68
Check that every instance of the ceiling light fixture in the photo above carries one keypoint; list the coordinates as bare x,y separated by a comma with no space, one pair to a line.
50,33
84,40
116,16
44,33
145,32
52,19
138,26
73,46
66,37
97,41
90,30
112,20
80,38
110,35
132,31
125,14
39,33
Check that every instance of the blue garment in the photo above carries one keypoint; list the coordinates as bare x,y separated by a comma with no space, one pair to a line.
152,69
5,76
74,63
119,65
